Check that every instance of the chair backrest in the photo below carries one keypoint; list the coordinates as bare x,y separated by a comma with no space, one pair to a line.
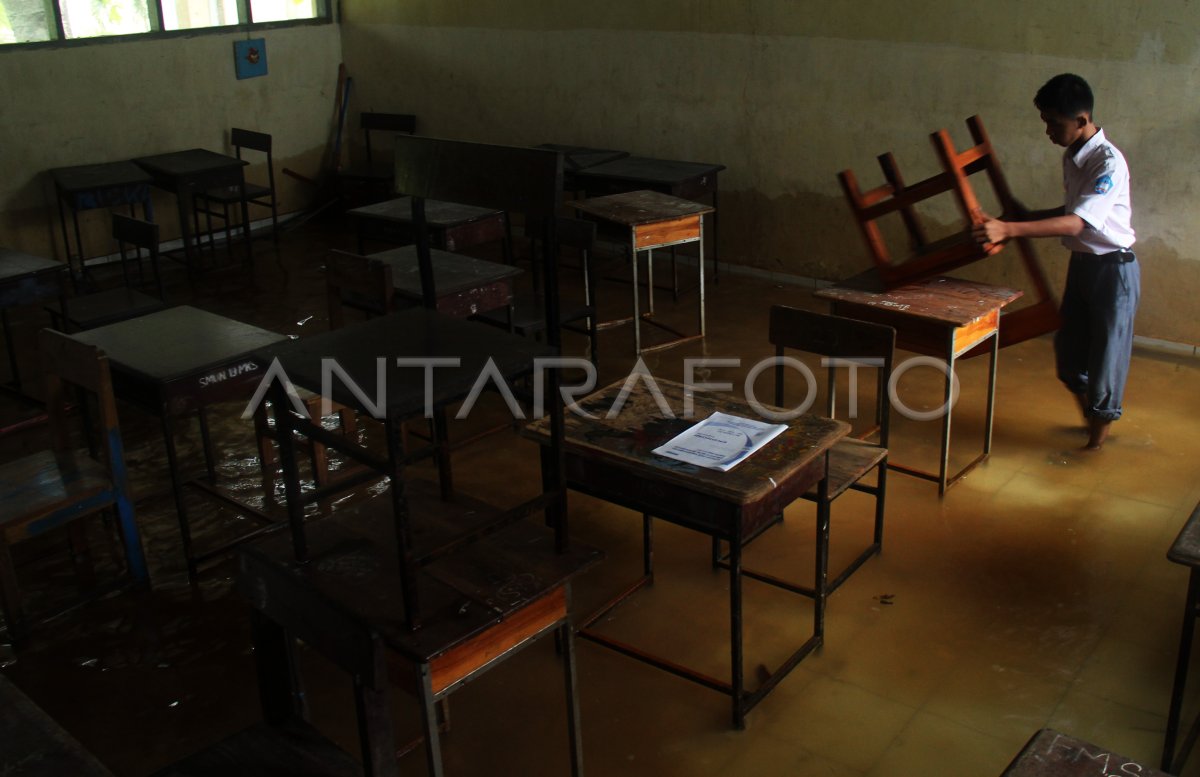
255,141
350,277
527,181
68,362
385,122
841,341
140,236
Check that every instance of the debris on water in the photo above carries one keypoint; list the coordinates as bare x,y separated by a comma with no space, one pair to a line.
304,321
88,663
885,598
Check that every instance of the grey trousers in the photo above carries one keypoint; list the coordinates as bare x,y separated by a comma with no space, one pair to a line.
1093,347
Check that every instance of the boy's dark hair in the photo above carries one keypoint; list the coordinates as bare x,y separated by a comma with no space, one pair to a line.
1065,95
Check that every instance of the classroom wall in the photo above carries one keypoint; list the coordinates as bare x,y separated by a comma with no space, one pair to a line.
117,100
788,92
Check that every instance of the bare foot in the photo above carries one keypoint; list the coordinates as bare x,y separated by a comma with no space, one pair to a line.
1097,433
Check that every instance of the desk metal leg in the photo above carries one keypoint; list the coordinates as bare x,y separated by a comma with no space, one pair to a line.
821,578
185,530
737,675
991,397
566,639
429,723
944,467
701,276
1170,762
716,236
637,315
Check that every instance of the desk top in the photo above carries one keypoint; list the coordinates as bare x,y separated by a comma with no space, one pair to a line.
650,171
352,578
438,214
32,744
629,439
576,158
176,343
189,162
1051,754
944,300
88,178
639,208
413,334
17,265
452,273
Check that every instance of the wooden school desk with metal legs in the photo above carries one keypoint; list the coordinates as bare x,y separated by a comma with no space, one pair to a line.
652,220
945,318
612,459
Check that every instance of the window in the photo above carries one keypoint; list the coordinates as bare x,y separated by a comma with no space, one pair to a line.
33,21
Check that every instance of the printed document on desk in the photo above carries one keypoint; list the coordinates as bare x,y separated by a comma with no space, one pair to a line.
720,441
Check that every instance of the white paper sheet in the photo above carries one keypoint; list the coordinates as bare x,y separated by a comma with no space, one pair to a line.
720,441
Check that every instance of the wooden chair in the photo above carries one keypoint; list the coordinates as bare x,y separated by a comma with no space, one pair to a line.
375,173
527,314
53,489
254,193
89,311
350,281
841,342
930,258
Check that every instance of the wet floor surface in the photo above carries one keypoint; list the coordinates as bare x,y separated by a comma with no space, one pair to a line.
1036,593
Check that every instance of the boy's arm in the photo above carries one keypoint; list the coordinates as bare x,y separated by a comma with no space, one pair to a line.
1055,222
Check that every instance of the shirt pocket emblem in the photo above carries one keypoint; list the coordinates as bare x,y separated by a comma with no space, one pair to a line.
1102,185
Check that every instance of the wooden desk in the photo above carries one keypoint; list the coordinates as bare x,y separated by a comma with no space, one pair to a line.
32,744
195,171
179,361
27,280
940,317
1053,754
653,220
465,285
106,185
1185,551
446,586
452,226
612,459
686,180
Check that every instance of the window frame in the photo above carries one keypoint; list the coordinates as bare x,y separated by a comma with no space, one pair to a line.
326,11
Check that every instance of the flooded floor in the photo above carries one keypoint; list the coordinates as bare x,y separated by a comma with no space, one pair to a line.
1036,593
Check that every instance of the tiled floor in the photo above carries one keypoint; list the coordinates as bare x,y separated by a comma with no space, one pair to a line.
1036,593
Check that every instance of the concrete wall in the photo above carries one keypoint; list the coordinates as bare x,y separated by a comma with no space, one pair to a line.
788,92
117,100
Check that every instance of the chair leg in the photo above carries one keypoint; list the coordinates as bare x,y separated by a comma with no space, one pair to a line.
320,456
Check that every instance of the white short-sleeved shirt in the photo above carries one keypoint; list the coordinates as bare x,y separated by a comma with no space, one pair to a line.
1096,179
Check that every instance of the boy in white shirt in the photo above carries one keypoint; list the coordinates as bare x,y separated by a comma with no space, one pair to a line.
1094,345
